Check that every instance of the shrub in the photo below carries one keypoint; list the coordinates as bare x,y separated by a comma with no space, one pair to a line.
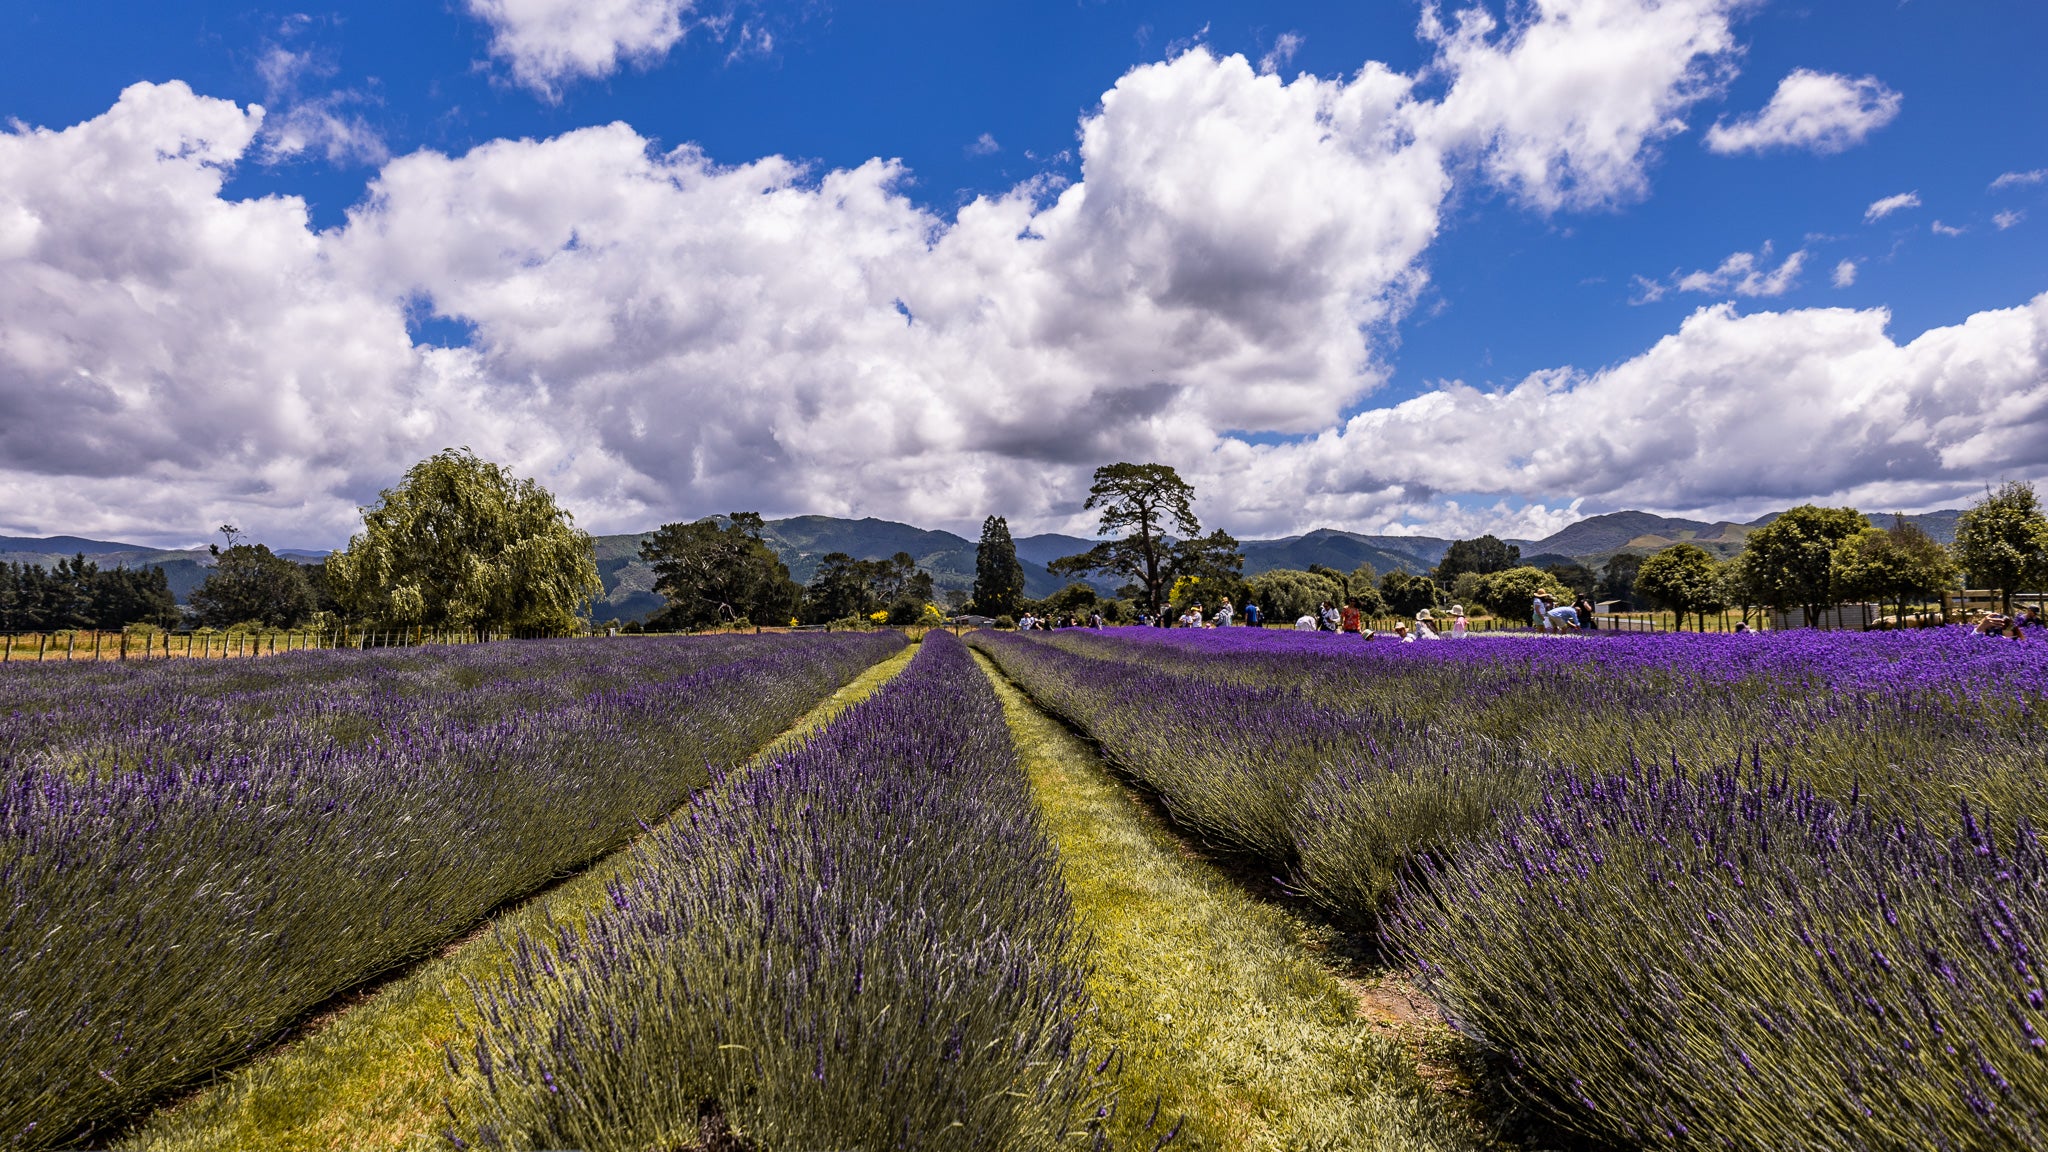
1285,595
1360,826
1682,960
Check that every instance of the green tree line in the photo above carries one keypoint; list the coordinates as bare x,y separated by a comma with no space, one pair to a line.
79,594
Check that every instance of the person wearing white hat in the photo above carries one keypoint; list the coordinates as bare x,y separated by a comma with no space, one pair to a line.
1458,622
1422,628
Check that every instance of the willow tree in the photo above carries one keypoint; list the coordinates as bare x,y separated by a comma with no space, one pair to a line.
463,543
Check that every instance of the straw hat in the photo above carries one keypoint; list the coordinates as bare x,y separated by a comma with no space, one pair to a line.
1424,615
1457,609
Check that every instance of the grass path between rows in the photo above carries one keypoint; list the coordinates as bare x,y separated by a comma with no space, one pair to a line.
1217,999
373,1077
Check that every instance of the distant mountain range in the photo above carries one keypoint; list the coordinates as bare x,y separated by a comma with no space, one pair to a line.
804,541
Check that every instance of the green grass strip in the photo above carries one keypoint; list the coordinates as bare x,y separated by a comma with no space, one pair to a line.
1215,997
374,1077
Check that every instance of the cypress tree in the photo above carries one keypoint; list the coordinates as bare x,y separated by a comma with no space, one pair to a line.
998,577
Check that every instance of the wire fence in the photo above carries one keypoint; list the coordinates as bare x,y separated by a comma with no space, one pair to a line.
86,645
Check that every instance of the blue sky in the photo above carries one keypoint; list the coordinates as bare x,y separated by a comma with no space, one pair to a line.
1294,418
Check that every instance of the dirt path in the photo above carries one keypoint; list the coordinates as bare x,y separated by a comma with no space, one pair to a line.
373,1076
1225,1006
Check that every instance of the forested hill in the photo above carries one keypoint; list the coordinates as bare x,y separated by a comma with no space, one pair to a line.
804,541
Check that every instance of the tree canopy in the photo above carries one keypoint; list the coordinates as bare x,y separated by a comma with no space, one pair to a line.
1618,577
1407,594
715,573
1686,579
1484,555
1509,593
1146,505
2002,541
81,594
998,576
845,587
250,584
461,542
1789,563
1287,594
1573,577
1892,565
1360,586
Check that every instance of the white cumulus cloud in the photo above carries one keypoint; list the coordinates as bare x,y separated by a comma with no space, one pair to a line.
168,356
1817,111
547,42
1845,274
2006,220
658,336
1729,412
1561,105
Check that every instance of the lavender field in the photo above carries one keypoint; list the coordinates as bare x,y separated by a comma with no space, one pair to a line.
193,856
1713,892
1669,891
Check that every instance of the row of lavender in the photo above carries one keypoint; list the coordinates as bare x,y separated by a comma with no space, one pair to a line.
193,856
1789,928
867,944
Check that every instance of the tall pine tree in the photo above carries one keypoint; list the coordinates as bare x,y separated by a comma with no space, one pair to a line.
998,577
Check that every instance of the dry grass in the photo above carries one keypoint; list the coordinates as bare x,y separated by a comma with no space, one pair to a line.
374,1078
1217,998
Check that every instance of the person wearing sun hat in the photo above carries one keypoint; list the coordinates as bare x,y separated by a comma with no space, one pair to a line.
1422,628
1458,622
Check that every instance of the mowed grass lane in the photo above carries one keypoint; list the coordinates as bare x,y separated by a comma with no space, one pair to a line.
1223,1013
374,1077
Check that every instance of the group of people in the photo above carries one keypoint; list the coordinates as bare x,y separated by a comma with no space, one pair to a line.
1033,623
2013,627
1550,614
1349,620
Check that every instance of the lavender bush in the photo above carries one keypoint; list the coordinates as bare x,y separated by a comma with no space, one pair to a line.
1711,960
1343,798
192,856
865,945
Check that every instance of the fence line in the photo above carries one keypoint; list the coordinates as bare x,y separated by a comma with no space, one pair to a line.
93,646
